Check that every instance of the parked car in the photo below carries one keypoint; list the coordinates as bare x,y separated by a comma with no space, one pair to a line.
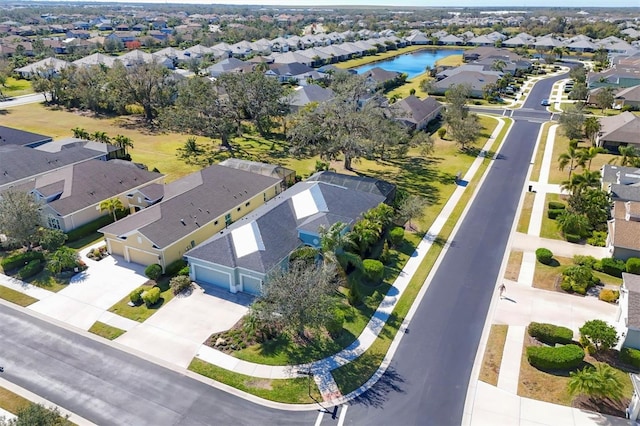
545,102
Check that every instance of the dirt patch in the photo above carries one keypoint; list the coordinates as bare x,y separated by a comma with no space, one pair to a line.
259,384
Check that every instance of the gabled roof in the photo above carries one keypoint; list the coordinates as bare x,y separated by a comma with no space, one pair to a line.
46,64
303,95
626,233
266,236
358,183
629,94
623,128
415,110
477,80
620,174
289,69
96,59
381,75
10,136
196,199
91,182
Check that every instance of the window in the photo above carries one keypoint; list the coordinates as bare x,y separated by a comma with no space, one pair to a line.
264,196
227,219
53,222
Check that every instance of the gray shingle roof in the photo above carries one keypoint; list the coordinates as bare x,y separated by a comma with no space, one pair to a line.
632,283
358,183
197,199
415,110
9,136
278,225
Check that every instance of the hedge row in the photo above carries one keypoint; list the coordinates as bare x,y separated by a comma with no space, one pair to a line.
556,205
613,267
550,334
32,268
21,259
88,228
555,358
174,267
554,213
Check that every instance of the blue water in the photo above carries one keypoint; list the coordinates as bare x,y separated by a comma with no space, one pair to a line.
411,63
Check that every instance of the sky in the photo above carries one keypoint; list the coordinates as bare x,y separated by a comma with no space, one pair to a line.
508,4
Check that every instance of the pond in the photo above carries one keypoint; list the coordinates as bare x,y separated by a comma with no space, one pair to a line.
411,63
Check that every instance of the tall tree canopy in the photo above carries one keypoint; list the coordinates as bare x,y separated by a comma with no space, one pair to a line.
19,216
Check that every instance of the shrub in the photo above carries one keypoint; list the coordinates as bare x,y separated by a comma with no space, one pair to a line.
304,254
442,132
180,283
598,239
136,296
355,296
551,358
51,239
550,334
396,236
613,267
598,266
373,270
579,279
554,213
572,238
599,335
89,228
633,265
184,271
30,269
336,323
556,205
151,296
588,261
174,267
385,255
153,271
630,356
21,259
544,255
609,295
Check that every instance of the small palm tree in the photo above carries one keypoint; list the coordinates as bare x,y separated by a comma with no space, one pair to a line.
80,133
629,156
125,142
572,158
590,153
365,233
578,182
334,241
112,205
61,259
597,383
592,127
101,137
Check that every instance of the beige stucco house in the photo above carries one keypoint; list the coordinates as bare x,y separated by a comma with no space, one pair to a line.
190,210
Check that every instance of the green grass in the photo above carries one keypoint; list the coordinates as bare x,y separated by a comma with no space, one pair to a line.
105,330
560,146
13,296
351,376
16,87
549,228
492,359
87,241
48,281
404,91
141,313
525,213
12,402
535,172
450,61
291,391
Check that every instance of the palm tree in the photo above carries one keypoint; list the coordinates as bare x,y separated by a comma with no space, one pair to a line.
600,382
498,65
61,259
334,241
365,233
80,133
112,205
125,142
590,153
578,182
629,155
592,127
571,157
99,136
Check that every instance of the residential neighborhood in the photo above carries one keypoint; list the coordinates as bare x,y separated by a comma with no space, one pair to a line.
319,215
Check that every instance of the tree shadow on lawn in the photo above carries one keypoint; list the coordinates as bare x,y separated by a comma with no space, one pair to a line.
378,394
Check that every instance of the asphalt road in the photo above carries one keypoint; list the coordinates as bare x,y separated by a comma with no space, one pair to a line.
22,100
111,387
427,381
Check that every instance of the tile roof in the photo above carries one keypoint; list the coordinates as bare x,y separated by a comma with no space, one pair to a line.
196,199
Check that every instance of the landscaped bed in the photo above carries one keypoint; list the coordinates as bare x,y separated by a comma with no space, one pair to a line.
549,277
140,312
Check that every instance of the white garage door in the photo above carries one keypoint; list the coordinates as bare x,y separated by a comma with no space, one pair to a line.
212,277
251,285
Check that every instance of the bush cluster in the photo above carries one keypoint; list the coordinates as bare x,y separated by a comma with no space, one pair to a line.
21,259
184,271
555,358
578,279
572,238
609,295
373,270
598,239
180,283
630,356
613,267
544,255
336,323
304,254
550,334
396,235
588,261
30,269
174,267
556,205
633,265
554,213
151,296
153,271
88,228
136,296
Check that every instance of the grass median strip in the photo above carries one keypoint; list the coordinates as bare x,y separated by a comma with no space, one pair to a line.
13,296
12,402
292,391
105,330
525,213
490,370
351,376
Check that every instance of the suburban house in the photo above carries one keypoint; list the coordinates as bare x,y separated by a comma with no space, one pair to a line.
10,136
624,230
287,176
622,183
71,195
358,183
417,113
628,320
241,257
476,80
47,66
190,210
629,96
617,130
380,78
304,95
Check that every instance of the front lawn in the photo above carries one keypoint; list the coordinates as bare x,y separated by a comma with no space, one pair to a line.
16,297
525,213
560,146
141,313
492,359
292,391
16,87
549,227
547,276
513,266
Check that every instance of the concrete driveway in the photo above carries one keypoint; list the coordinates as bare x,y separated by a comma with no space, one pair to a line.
176,332
92,292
